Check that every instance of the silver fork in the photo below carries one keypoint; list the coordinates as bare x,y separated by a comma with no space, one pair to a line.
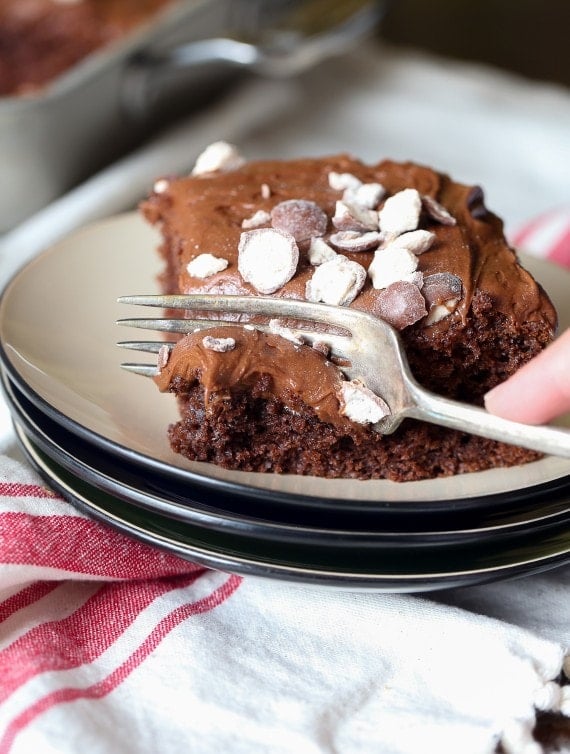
373,353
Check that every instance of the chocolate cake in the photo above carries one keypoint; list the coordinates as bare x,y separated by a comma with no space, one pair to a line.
398,240
40,39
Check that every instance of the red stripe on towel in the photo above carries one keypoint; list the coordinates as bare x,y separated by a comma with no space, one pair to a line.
114,679
25,597
82,636
16,489
523,234
560,252
79,545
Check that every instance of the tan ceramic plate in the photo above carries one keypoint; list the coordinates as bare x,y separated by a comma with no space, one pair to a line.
58,335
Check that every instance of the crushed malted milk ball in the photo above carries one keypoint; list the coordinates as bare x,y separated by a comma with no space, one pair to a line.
391,265
400,304
442,292
476,203
343,181
354,217
277,328
301,218
440,311
267,258
440,287
322,347
220,345
401,212
368,195
265,191
354,241
163,357
437,211
361,405
320,251
161,185
205,265
218,157
416,241
336,282
417,278
259,218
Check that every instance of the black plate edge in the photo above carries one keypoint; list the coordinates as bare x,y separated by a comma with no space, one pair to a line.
352,582
526,495
197,512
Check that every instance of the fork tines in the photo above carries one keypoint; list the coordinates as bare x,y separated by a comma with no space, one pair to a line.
247,306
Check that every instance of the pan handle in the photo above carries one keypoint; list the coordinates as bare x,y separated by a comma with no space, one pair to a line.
284,54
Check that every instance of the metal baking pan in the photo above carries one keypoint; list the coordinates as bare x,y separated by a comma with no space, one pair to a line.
110,102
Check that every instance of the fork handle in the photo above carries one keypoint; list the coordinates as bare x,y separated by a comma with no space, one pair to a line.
477,421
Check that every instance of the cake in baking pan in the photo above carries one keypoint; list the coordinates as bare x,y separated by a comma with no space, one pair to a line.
398,240
41,39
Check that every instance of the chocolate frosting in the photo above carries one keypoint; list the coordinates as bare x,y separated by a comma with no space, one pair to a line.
294,370
203,214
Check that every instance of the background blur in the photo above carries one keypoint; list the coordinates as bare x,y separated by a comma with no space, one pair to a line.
530,37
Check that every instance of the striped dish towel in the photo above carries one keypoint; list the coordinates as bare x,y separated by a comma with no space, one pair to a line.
108,645
547,236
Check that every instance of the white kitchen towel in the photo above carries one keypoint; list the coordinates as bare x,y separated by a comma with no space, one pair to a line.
107,645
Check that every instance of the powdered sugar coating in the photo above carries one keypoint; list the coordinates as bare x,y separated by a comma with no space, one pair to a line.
267,258
218,157
391,265
354,241
336,282
361,405
161,185
163,357
320,251
277,328
219,345
257,220
416,241
206,265
343,181
367,195
354,217
401,212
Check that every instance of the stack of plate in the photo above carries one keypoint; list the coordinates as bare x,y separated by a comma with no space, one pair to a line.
97,434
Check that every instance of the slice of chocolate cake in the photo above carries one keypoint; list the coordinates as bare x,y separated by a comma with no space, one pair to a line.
398,240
